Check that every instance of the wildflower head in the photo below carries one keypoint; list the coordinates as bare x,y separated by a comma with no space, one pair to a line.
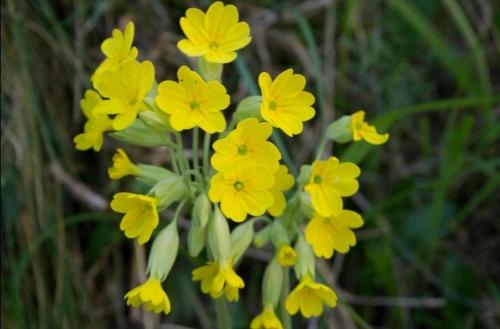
286,255
247,143
285,104
216,34
125,89
327,234
192,102
331,180
122,166
267,319
242,190
150,295
309,297
141,215
361,130
218,279
283,181
118,49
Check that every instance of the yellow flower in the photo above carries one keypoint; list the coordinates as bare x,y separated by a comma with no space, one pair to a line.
118,49
266,320
151,295
126,89
309,297
331,180
216,34
287,255
141,215
219,278
362,130
242,190
192,102
248,143
327,234
95,127
122,166
283,181
285,104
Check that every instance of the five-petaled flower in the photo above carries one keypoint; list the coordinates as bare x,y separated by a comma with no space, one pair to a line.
192,102
242,190
122,166
285,104
267,319
216,34
151,295
362,130
141,216
330,181
327,234
126,89
219,278
309,297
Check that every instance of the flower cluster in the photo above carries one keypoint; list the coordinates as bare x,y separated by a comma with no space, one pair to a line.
237,173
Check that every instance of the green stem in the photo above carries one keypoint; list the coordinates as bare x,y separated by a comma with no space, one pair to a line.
183,163
196,164
206,153
321,147
287,320
222,313
173,161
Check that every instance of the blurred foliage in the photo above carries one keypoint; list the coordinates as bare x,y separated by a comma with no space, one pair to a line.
426,71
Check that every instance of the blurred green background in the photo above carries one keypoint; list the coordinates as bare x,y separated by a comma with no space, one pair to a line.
426,71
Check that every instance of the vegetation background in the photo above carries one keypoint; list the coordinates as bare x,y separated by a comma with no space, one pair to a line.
426,71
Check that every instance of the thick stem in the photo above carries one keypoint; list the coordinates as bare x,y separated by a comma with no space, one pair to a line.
223,319
285,317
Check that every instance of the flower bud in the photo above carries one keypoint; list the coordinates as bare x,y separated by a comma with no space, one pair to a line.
278,234
261,238
241,238
169,190
340,130
163,252
156,120
153,174
202,209
248,107
219,238
141,135
306,205
209,71
305,258
196,239
272,283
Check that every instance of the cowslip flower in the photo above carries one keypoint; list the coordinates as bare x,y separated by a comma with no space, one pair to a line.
330,181
267,319
126,89
193,102
327,234
141,215
122,166
286,255
96,125
218,279
361,130
285,104
216,34
248,143
242,190
151,295
309,297
283,181
117,49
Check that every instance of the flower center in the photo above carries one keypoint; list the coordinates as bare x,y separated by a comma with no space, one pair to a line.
238,186
273,105
133,101
213,45
194,105
317,179
242,149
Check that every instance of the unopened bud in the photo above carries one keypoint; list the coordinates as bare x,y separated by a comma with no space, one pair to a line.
340,130
241,238
169,190
272,283
219,238
141,135
305,258
163,252
248,107
261,238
